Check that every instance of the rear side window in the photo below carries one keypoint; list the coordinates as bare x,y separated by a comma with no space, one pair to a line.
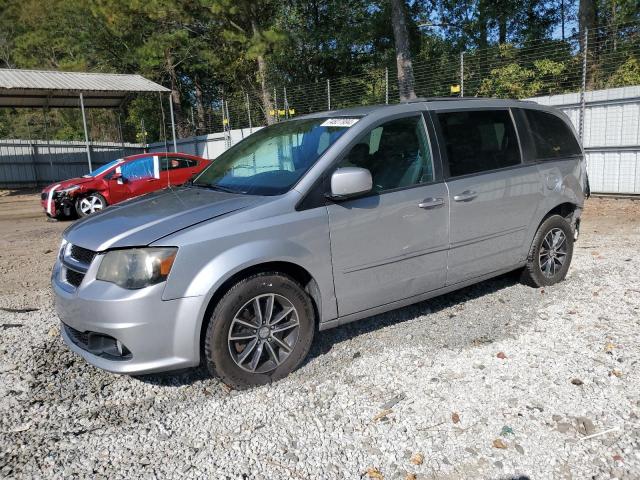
172,163
552,137
479,141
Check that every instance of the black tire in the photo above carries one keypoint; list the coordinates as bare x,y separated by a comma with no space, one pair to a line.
533,273
218,344
95,197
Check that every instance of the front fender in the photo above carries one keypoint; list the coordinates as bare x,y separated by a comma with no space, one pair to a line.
232,261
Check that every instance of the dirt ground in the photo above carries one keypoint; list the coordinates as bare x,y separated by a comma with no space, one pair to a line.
497,380
29,242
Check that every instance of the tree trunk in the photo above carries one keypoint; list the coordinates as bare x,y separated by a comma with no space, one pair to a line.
502,30
562,15
200,120
175,97
267,104
587,18
483,20
403,54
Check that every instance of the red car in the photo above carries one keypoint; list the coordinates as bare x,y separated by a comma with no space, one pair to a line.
119,180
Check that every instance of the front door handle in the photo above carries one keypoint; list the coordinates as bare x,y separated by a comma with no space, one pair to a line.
429,203
465,196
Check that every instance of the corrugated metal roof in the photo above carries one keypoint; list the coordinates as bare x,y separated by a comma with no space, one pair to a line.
76,81
39,88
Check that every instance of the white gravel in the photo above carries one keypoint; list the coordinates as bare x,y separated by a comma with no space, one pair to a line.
564,401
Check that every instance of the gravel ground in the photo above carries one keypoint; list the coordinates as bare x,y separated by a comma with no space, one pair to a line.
495,381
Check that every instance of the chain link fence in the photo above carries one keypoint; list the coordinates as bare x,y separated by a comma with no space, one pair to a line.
604,58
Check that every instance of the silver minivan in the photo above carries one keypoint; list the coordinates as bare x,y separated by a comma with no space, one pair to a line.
315,222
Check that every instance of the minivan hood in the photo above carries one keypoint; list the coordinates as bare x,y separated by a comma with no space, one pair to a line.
148,218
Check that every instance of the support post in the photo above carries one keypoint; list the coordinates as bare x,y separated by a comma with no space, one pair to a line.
328,94
275,105
86,132
286,104
584,83
173,124
249,114
386,85
462,74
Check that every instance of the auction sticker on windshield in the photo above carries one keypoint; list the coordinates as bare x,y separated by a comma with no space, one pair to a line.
339,122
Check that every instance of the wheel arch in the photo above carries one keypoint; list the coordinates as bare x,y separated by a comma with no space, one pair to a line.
295,271
565,209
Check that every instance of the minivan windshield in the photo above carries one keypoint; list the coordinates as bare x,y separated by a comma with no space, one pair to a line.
272,160
103,168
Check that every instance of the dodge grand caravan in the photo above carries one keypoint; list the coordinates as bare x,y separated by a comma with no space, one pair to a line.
315,222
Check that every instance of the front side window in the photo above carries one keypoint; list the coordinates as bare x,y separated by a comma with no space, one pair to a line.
138,169
397,154
104,168
552,138
479,141
272,160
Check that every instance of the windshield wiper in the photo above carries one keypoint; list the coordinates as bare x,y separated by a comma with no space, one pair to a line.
215,187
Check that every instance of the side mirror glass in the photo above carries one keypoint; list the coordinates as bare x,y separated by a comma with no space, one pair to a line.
350,181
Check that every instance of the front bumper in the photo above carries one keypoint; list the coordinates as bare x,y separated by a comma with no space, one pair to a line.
57,204
157,334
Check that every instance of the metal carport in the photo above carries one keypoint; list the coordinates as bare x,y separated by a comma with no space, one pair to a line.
52,89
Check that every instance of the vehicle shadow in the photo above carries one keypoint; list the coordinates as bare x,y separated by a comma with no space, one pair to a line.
325,340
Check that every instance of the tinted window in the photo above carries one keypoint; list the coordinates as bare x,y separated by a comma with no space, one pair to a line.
138,169
169,163
272,160
552,137
478,141
396,153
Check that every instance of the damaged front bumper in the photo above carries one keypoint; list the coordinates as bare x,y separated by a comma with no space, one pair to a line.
57,203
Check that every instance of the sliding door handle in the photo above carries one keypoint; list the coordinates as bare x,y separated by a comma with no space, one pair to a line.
465,196
428,203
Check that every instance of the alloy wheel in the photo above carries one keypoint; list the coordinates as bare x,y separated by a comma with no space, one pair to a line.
263,333
553,252
90,204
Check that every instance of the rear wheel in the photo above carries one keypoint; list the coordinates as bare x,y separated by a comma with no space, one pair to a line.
89,204
260,330
550,254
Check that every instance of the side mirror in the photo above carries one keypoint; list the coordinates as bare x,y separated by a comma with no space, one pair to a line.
350,181
116,176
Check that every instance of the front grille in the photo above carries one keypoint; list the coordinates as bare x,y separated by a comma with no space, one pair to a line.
74,278
82,255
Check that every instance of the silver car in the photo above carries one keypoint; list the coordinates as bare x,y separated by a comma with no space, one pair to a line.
315,222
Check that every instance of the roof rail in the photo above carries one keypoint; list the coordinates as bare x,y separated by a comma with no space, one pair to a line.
443,99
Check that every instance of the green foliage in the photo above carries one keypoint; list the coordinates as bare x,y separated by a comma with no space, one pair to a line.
207,50
627,74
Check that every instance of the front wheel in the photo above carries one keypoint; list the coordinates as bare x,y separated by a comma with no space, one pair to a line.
89,204
551,252
260,330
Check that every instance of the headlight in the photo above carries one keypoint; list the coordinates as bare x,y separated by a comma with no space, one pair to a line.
69,189
137,267
63,247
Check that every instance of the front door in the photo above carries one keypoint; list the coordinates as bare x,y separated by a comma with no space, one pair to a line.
137,177
391,244
493,195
